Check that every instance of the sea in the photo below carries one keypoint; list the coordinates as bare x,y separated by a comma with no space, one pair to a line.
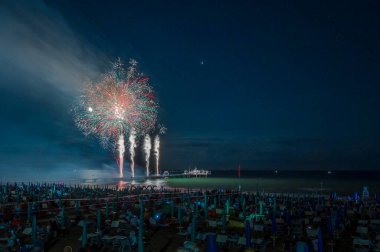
343,182
326,182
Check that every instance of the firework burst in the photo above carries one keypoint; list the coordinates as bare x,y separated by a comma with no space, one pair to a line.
122,104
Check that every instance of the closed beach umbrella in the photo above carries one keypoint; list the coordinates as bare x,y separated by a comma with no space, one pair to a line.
302,247
141,223
356,196
172,208
211,243
298,198
99,220
227,207
196,207
274,224
114,207
179,216
34,228
288,217
243,205
205,205
330,230
84,234
320,240
107,211
224,222
63,221
193,221
77,206
29,212
248,233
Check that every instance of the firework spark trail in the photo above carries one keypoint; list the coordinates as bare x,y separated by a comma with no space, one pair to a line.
156,152
121,149
121,104
132,146
147,147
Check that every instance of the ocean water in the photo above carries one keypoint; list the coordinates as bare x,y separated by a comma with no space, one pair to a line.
341,182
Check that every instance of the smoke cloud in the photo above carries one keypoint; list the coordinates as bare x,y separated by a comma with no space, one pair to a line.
44,65
38,46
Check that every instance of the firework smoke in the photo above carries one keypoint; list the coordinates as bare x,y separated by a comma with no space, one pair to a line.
161,129
147,147
156,152
121,150
132,146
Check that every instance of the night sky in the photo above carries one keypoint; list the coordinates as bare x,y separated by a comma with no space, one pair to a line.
264,84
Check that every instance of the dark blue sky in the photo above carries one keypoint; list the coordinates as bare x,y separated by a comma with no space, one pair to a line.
283,85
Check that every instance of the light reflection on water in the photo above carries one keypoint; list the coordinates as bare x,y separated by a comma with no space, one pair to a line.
309,184
141,182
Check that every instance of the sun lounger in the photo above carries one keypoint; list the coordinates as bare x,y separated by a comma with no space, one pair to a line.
241,241
311,233
114,224
258,228
362,231
221,239
309,213
27,231
212,223
259,244
361,244
89,236
377,238
362,222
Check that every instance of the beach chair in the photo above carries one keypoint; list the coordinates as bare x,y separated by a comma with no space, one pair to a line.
199,236
363,222
221,239
298,231
309,213
375,225
212,223
258,228
132,238
115,224
27,231
190,246
362,231
125,245
115,244
219,211
350,212
361,245
242,241
311,233
377,238
68,249
259,244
